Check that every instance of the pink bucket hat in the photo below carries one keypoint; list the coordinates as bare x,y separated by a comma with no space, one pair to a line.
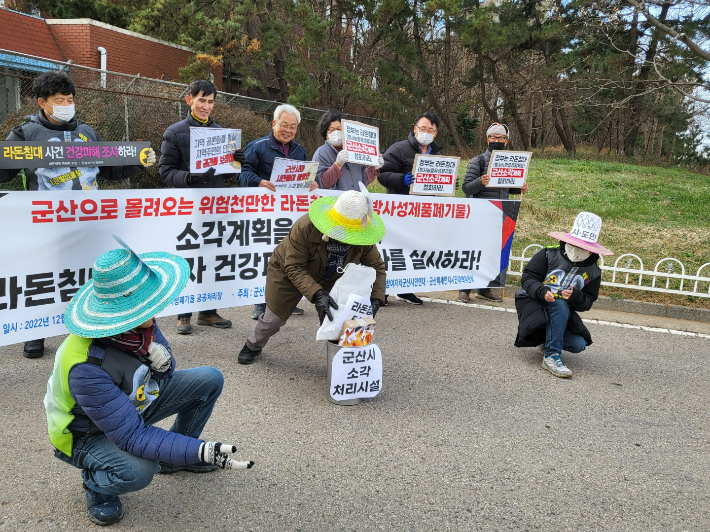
584,233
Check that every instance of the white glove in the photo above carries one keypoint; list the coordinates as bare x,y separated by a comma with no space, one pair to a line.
216,453
158,357
343,157
380,161
150,158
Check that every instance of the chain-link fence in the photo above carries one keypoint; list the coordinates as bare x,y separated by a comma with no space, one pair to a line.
123,107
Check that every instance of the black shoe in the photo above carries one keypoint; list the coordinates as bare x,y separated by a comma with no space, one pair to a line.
103,509
490,296
410,298
385,303
34,348
202,467
247,356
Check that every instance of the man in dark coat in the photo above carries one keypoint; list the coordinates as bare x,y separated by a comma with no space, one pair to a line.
175,171
557,283
56,121
475,185
310,259
396,173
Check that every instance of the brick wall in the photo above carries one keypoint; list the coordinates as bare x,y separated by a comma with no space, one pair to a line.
27,35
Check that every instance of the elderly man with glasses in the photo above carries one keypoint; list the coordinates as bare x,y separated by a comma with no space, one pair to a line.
259,160
475,185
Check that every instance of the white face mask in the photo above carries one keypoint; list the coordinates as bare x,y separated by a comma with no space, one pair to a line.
425,138
63,113
335,138
576,254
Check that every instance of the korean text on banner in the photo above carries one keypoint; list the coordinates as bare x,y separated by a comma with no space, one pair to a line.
357,373
227,236
362,142
434,175
289,174
78,154
508,168
214,147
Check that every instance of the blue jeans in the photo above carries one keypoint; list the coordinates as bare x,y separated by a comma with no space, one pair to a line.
190,393
557,337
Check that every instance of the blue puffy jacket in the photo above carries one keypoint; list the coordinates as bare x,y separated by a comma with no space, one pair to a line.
259,158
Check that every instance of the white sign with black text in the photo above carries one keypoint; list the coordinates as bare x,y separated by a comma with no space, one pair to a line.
214,147
289,174
362,142
508,168
356,373
434,175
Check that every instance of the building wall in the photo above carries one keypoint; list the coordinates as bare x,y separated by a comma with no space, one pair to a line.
28,35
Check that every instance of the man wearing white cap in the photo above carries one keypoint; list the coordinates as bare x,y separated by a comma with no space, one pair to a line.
475,185
559,282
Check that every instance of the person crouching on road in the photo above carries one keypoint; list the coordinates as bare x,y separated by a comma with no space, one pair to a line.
114,377
559,282
337,231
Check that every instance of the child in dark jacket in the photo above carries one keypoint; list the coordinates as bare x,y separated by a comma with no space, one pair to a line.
559,282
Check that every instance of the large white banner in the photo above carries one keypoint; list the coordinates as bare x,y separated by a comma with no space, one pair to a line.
51,240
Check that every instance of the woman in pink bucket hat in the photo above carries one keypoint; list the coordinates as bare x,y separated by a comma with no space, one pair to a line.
557,283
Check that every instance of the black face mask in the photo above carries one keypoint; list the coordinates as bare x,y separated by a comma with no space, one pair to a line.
496,146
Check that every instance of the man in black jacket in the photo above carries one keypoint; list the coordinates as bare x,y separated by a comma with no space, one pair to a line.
475,185
175,171
396,173
557,283
56,121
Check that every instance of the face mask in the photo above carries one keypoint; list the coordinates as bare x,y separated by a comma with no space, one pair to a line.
425,138
335,138
575,254
63,113
496,146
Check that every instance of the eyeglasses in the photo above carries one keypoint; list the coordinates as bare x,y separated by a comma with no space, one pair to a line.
496,138
287,127
425,130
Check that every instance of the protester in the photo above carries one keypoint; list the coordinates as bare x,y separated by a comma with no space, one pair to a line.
396,174
175,171
559,282
475,185
56,122
260,155
335,171
114,377
336,232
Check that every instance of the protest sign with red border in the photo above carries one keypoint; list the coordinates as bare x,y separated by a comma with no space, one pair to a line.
508,168
434,175
362,142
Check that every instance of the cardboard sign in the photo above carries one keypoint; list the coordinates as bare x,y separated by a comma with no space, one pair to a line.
72,155
357,373
214,147
508,168
362,142
434,175
290,174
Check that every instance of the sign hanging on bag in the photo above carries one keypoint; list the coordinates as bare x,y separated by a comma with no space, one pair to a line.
356,373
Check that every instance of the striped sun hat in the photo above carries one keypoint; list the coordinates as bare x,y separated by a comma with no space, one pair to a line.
125,290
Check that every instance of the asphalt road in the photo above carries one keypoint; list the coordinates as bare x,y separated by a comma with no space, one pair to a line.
468,433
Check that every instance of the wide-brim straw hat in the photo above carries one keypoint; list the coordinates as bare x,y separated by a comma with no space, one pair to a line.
584,234
125,291
348,218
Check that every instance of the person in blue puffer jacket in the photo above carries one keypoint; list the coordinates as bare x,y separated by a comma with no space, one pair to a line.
114,377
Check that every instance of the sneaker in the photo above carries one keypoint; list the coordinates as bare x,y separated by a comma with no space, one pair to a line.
183,325
297,312
202,467
259,309
464,297
554,365
214,320
33,348
410,298
489,296
103,509
247,356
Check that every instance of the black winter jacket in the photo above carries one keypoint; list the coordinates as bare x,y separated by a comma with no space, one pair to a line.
38,128
472,186
399,161
530,300
175,154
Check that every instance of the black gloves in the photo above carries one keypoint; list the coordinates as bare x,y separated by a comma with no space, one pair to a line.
239,157
323,302
376,304
201,180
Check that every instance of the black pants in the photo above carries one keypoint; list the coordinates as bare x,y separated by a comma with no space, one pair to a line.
205,312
